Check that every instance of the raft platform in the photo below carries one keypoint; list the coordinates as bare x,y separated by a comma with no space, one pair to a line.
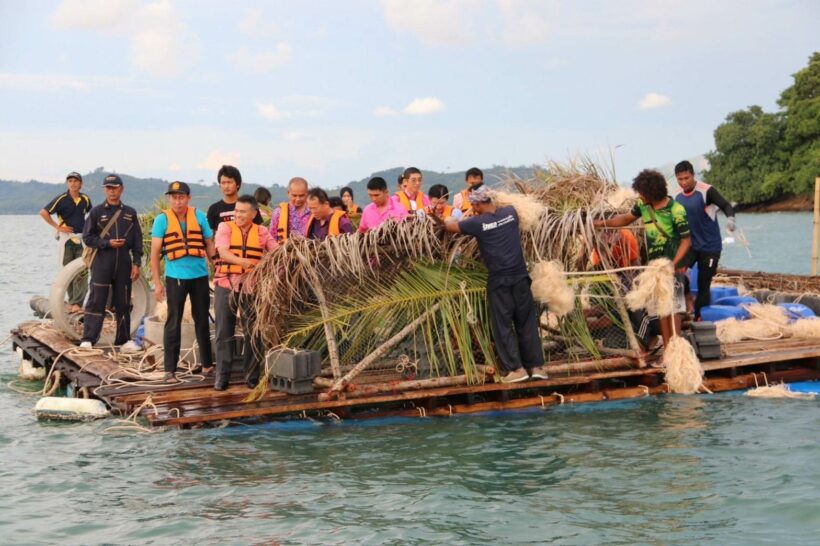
195,403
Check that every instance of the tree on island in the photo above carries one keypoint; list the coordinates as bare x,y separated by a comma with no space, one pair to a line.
762,156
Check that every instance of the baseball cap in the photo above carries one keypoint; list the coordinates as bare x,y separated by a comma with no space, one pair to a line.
74,174
481,194
178,187
112,180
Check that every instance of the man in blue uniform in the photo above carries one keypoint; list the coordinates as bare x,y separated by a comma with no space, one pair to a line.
70,208
702,202
113,229
513,313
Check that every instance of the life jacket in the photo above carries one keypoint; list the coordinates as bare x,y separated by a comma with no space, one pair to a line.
243,247
405,201
282,227
176,244
333,229
465,201
448,211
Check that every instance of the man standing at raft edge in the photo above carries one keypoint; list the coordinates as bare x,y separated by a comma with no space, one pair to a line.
508,286
116,265
70,208
230,180
182,236
701,202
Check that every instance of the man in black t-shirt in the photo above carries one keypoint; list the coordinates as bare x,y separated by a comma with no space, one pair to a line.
230,180
508,285
71,208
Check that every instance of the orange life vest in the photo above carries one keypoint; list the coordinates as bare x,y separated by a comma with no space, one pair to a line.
465,201
333,229
405,201
175,243
448,211
243,247
282,227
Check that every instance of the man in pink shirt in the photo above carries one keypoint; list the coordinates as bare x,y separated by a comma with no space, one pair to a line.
382,207
410,197
241,245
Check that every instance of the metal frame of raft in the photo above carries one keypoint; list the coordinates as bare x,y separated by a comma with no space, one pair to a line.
743,365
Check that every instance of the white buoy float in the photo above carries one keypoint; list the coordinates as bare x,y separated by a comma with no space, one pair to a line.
27,371
70,409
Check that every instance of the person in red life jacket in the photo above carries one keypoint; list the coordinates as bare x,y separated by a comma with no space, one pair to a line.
290,218
513,313
182,237
410,197
474,178
351,207
324,222
113,228
438,204
241,245
230,181
71,208
381,208
702,202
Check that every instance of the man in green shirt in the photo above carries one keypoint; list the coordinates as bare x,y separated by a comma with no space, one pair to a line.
666,230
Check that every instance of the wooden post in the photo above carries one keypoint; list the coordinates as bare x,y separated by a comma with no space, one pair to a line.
816,238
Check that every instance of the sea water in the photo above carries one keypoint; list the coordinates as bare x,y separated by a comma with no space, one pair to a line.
722,469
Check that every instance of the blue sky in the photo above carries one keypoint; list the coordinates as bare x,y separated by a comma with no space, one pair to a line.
334,90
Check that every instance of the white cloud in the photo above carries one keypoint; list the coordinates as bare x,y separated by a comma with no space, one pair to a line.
97,15
434,22
297,106
262,61
527,23
653,100
42,82
161,43
384,111
255,24
424,106
214,161
270,112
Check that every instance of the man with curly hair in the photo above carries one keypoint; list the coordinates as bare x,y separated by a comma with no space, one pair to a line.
667,234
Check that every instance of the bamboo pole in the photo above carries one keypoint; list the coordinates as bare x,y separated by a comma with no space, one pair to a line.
631,338
330,336
375,355
816,238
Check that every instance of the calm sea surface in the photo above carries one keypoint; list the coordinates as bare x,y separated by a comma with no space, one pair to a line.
723,469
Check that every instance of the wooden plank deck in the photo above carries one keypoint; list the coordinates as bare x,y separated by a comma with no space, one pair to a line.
196,402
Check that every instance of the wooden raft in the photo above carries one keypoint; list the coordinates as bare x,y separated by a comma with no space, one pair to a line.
743,365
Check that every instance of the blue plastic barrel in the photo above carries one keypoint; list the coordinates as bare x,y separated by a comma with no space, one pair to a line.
693,279
797,310
714,313
736,300
719,292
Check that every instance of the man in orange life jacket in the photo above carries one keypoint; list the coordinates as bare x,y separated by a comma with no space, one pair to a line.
438,204
182,236
116,264
410,196
290,218
474,179
324,221
241,245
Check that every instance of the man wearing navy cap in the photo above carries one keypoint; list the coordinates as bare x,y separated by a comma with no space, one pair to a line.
70,208
181,235
113,229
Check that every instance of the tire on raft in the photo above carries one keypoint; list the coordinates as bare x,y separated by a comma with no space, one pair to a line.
142,304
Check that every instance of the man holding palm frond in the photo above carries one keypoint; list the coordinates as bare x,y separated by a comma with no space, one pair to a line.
513,315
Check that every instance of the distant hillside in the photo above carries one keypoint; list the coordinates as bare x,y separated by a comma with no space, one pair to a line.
140,193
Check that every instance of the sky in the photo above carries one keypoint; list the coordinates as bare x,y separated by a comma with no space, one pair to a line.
336,90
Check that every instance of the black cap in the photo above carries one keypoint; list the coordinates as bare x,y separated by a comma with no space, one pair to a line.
74,174
178,187
112,180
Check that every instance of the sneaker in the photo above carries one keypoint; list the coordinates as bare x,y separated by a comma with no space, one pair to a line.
538,373
86,345
517,376
130,346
